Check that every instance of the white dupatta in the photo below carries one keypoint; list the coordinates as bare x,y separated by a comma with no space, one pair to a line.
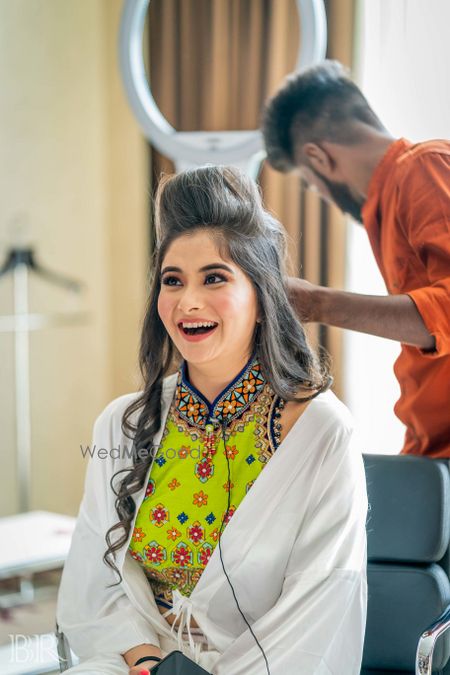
295,552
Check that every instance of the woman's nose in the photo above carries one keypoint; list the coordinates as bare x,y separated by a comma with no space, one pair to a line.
190,300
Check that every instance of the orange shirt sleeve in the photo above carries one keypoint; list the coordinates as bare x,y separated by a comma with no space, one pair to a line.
424,212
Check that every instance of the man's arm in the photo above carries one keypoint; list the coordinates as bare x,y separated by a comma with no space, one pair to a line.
391,316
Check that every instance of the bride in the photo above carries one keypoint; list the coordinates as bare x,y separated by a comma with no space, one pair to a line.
235,530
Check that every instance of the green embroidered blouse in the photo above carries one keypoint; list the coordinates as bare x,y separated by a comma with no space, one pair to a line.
179,522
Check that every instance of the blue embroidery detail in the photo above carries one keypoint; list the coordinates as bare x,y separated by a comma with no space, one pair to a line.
182,517
192,407
210,518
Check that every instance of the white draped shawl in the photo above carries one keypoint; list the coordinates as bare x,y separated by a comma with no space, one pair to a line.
295,552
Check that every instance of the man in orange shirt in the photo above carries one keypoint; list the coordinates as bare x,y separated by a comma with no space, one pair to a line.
320,124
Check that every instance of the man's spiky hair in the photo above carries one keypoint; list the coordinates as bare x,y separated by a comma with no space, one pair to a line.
316,104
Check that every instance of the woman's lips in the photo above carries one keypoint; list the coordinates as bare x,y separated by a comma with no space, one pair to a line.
196,337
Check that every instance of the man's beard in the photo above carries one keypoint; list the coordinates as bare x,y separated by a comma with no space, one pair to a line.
343,198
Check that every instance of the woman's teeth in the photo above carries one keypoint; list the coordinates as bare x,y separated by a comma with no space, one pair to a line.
195,327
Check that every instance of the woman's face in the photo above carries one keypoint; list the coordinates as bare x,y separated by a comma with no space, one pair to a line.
206,302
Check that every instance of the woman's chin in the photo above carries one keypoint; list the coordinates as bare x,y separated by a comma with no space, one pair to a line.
196,354
196,360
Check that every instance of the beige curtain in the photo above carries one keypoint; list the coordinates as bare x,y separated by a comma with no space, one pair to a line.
212,65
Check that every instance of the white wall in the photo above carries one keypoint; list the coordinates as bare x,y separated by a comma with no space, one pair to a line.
403,63
74,166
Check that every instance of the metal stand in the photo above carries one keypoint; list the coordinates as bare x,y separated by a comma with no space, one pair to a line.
19,263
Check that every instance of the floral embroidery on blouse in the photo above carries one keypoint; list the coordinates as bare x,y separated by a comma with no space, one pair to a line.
180,519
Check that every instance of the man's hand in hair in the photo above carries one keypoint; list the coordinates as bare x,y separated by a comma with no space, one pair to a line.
394,317
303,296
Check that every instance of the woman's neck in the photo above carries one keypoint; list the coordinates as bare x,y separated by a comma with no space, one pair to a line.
210,380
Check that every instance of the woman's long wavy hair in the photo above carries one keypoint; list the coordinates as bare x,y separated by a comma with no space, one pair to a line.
226,203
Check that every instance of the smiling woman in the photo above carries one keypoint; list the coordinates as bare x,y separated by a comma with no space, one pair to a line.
249,539
209,308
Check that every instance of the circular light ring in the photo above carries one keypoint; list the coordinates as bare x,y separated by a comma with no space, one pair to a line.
201,147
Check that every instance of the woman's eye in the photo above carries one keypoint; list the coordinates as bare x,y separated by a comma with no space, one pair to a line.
175,281
214,279
170,281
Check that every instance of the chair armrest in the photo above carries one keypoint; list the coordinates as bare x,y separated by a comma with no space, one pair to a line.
427,642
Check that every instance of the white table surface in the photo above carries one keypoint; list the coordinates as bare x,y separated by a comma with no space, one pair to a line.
34,541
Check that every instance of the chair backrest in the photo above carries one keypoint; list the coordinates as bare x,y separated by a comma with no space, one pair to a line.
408,530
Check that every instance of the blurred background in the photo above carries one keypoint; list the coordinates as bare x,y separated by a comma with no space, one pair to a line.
76,183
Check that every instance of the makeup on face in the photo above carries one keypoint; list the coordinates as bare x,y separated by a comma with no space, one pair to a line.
206,302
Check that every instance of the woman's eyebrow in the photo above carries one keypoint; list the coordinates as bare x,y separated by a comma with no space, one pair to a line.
216,266
205,268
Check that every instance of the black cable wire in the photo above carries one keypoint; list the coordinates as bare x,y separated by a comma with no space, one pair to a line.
220,549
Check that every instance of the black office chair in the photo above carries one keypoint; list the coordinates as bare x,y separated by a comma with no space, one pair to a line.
408,532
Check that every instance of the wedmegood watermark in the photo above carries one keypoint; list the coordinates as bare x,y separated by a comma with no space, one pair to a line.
131,452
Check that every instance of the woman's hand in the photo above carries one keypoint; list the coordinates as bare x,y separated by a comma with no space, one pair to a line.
142,668
133,655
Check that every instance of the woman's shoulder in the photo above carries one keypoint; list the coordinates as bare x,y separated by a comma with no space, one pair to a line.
325,433
328,409
325,416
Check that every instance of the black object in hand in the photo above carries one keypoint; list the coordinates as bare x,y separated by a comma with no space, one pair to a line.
176,663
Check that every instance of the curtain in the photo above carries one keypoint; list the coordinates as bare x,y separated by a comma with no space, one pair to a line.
212,65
